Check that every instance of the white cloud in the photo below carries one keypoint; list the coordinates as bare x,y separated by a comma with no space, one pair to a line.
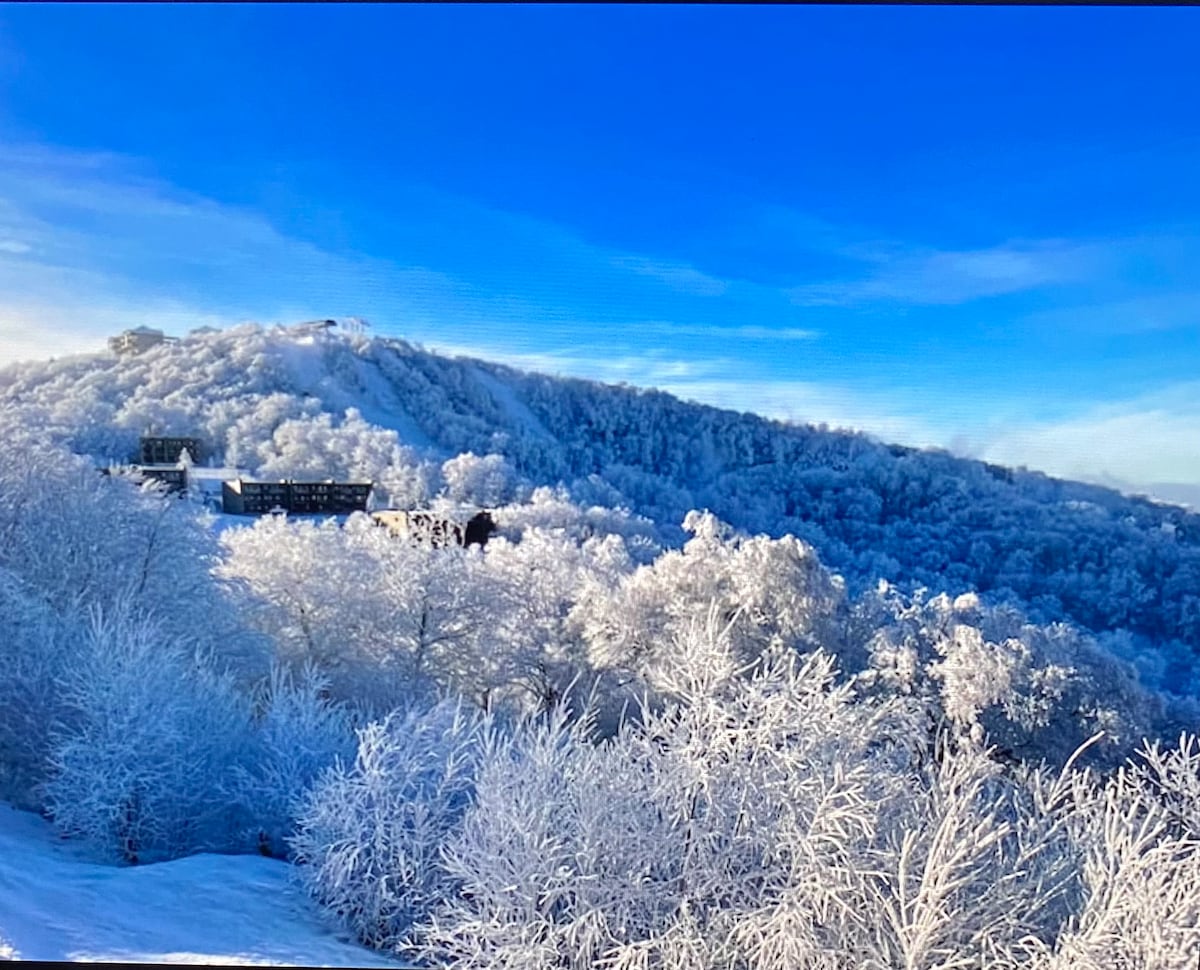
1141,314
14,246
744,332
678,276
1142,441
930,278
103,234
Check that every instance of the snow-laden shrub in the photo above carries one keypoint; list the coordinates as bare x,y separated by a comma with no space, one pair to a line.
731,828
970,866
1035,692
151,733
770,819
369,835
1140,869
298,732
35,647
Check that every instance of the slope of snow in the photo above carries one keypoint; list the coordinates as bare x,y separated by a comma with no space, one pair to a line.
513,408
368,391
56,905
382,407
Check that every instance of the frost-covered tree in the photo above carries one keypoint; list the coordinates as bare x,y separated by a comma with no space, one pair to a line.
150,735
297,733
370,834
79,538
286,402
768,590
486,481
381,617
1035,692
36,649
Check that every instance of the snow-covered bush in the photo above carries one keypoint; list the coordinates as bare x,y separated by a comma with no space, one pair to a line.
152,733
35,650
1140,867
776,821
1035,692
369,835
298,733
715,831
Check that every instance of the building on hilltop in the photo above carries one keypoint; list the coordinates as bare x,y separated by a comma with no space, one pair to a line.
154,450
314,326
437,529
137,340
242,497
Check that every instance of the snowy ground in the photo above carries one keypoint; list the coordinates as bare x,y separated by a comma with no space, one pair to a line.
55,905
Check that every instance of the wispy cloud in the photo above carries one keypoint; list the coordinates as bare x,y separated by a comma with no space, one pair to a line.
721,382
678,276
93,235
744,332
930,278
1134,315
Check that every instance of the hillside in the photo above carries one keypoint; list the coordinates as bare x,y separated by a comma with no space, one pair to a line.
624,731
290,402
283,402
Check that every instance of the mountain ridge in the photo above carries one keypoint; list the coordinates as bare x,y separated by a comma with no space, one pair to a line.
280,401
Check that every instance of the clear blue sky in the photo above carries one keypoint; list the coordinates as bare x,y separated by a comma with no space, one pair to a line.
974,227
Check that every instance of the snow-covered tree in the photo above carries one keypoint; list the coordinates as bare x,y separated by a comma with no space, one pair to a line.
486,481
298,732
151,734
370,835
36,648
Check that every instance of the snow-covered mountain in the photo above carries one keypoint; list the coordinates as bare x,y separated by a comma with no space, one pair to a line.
624,732
285,401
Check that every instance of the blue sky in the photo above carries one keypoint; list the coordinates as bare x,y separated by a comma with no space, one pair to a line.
964,226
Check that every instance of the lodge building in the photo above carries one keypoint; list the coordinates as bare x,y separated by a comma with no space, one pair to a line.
242,497
167,451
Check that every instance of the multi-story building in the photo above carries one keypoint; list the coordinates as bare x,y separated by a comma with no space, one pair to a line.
242,497
137,340
167,451
173,477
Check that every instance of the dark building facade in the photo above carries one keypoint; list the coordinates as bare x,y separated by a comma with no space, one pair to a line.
166,451
241,497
